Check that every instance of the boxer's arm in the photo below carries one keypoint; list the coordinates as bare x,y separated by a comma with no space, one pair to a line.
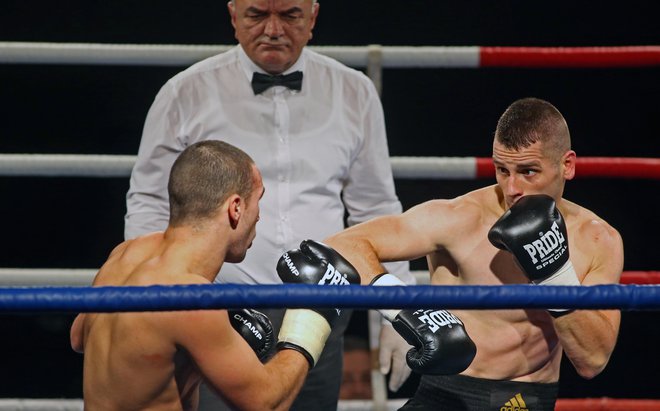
230,366
418,232
76,334
588,337
440,343
147,203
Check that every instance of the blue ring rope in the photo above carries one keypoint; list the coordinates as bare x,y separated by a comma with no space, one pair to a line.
214,296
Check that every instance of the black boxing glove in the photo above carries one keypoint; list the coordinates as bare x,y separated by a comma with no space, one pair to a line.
534,231
256,330
441,345
306,330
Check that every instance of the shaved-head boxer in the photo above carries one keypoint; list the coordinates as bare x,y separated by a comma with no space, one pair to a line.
156,360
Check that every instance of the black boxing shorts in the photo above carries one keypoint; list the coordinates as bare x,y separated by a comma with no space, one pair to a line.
462,393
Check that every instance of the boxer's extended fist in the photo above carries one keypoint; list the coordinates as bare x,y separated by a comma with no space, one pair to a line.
441,346
316,263
313,263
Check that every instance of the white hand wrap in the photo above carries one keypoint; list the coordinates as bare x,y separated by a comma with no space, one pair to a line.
566,275
387,280
306,329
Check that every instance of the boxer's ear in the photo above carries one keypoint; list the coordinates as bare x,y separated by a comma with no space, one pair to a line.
234,209
568,164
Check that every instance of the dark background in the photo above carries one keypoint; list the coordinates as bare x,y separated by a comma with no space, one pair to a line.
75,222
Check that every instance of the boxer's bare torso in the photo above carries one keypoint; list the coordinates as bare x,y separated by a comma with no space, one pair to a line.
134,361
519,345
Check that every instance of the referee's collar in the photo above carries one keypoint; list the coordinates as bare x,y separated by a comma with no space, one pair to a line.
250,67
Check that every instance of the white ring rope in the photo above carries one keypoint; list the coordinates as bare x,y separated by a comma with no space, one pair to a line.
80,165
55,404
184,55
434,167
85,276
47,276
66,165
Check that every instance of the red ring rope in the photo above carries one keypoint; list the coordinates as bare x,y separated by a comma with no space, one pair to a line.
630,167
605,404
546,57
640,277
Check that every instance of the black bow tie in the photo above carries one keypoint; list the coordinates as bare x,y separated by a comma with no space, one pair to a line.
262,82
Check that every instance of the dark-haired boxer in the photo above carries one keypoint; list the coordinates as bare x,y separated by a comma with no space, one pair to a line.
520,230
156,360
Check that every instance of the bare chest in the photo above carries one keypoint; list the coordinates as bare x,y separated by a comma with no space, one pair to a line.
475,261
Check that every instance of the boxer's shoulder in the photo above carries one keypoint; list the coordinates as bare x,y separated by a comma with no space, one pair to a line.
585,224
596,246
474,209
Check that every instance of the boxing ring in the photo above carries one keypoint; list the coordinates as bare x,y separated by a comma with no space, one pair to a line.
67,290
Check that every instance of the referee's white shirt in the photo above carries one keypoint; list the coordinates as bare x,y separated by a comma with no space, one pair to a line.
315,148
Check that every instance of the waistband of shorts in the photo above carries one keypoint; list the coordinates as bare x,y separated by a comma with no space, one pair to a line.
483,382
481,393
